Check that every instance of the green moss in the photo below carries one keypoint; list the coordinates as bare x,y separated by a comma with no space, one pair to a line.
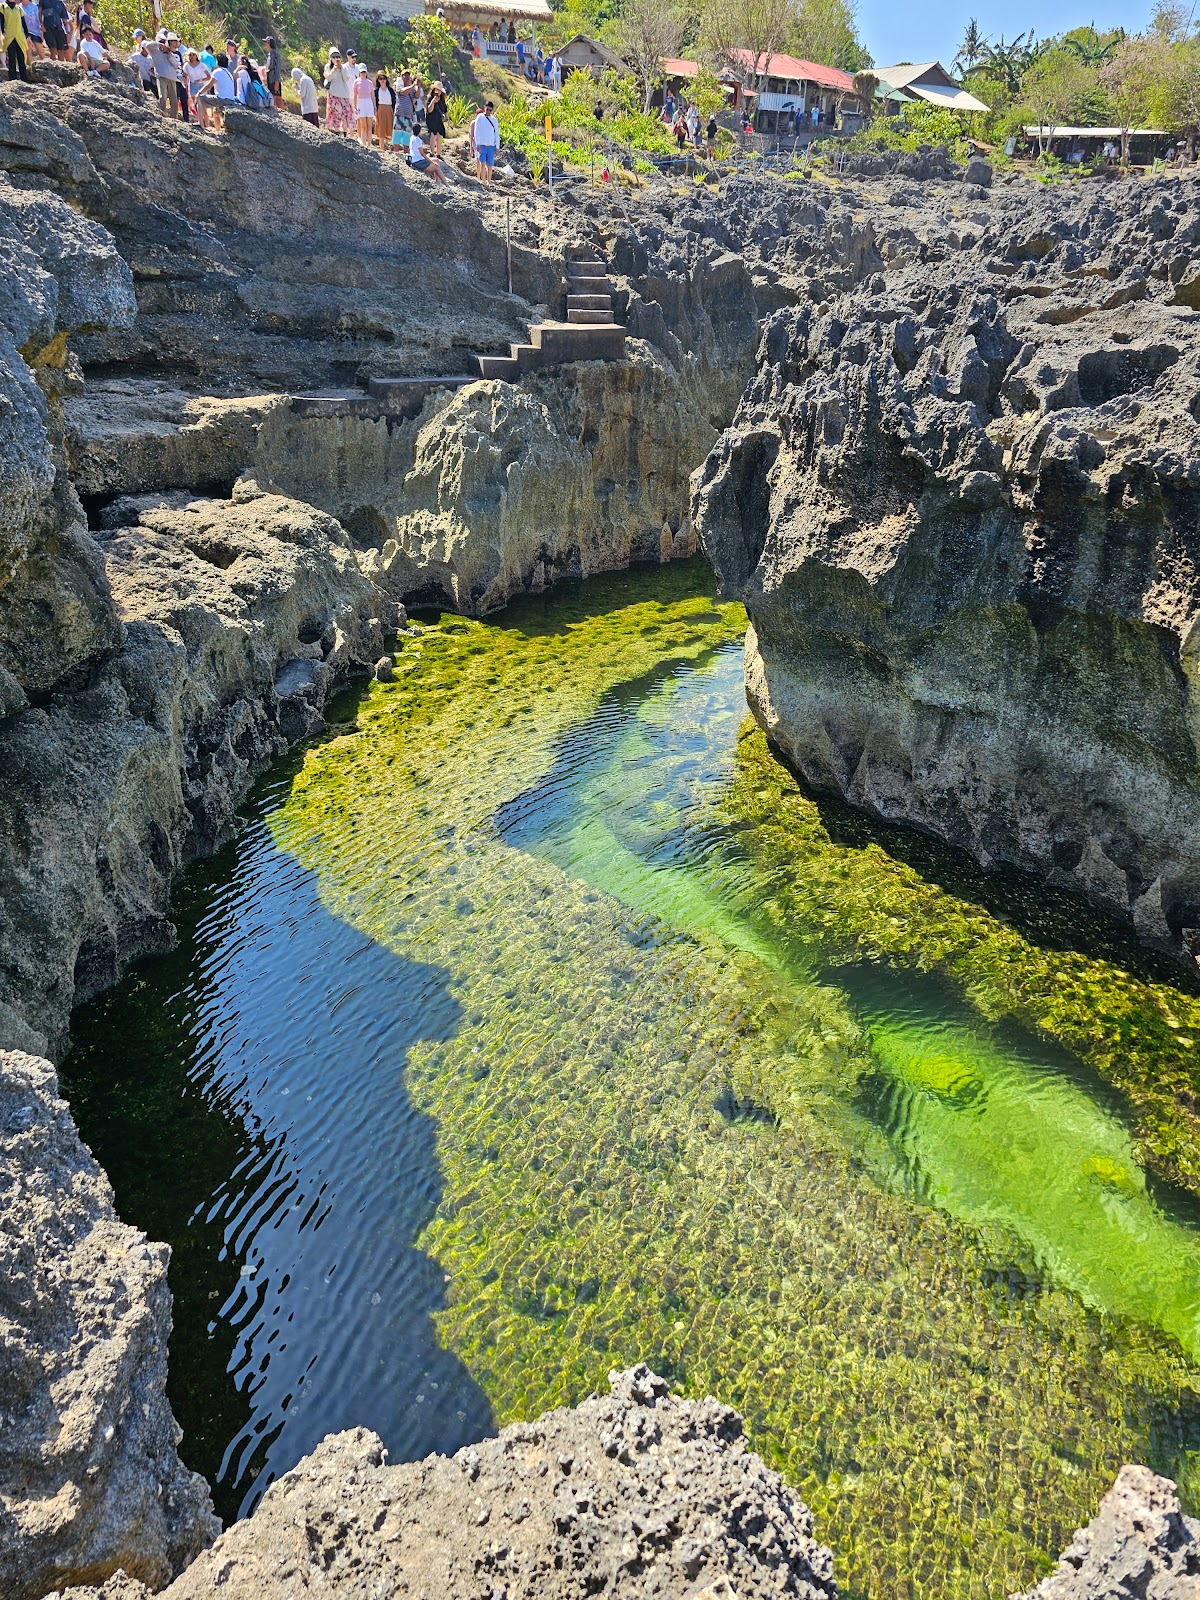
649,1124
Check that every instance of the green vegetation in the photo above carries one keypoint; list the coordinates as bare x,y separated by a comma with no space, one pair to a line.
650,1120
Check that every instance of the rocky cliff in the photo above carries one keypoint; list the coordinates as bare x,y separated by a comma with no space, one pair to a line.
89,1476
637,1493
960,502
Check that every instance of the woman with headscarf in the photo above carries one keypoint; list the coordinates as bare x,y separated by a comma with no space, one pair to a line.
16,43
339,97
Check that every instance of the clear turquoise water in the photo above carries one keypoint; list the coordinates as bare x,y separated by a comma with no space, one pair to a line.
347,1096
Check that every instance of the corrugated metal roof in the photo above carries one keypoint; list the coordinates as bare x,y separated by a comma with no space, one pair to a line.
780,66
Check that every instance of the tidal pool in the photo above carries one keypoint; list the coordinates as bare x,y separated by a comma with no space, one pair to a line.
537,1022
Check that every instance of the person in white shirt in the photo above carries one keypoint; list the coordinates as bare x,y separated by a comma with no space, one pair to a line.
92,57
364,106
195,75
167,73
307,90
219,91
423,162
485,140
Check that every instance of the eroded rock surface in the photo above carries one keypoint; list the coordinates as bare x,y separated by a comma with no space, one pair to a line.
960,502
638,1493
89,1476
238,618
1139,1543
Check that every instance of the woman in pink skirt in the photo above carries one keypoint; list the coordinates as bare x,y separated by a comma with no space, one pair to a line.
339,92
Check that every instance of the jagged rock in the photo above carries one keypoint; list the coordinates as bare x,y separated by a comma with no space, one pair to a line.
978,171
1139,1543
636,1494
61,275
132,436
239,618
90,1478
498,489
961,505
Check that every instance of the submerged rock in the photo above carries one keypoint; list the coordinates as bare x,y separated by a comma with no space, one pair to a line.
961,504
639,1493
90,1478
1139,1543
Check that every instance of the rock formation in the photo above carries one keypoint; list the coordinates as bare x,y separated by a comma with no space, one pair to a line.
960,502
1139,1543
634,1494
89,1476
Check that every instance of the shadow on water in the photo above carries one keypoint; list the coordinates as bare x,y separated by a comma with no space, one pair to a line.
246,1096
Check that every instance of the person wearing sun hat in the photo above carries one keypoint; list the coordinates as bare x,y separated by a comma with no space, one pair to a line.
166,71
339,96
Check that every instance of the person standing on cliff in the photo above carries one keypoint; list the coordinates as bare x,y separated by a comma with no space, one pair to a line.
339,97
56,29
16,44
307,90
485,138
273,72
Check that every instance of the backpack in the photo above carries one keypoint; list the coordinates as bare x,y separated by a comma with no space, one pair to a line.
257,98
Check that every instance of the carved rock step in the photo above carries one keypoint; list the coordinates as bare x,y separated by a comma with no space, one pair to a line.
589,302
507,367
589,316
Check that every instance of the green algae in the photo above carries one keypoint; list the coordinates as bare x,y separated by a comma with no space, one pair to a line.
650,1123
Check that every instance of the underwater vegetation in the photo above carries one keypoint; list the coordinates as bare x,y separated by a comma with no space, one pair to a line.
712,1076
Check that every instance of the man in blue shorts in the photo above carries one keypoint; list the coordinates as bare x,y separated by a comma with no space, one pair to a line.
485,139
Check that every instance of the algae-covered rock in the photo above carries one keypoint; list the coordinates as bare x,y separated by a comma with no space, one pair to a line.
90,1478
637,1493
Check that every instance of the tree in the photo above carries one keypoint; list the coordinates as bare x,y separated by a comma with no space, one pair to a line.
1130,80
760,27
1053,90
1008,63
1093,48
707,93
1175,96
826,31
970,51
647,33
430,47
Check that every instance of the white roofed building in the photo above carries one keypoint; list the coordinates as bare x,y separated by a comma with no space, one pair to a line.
928,81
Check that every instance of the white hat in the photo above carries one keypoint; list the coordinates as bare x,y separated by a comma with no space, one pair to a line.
297,74
139,33
363,72
161,36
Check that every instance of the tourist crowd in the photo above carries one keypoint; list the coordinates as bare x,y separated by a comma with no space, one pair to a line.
199,84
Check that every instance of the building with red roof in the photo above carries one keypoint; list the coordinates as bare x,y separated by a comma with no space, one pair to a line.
805,92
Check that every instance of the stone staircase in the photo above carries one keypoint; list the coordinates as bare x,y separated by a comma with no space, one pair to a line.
590,333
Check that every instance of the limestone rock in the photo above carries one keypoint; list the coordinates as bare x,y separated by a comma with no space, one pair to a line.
239,619
1139,1543
90,1478
961,503
636,1494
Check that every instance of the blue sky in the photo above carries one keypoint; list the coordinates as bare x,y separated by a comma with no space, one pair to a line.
934,30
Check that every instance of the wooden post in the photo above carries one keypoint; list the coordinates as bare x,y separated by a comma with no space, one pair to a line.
508,236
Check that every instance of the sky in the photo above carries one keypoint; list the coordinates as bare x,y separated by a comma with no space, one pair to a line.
933,30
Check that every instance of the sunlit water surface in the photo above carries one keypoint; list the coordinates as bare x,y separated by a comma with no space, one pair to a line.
515,991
